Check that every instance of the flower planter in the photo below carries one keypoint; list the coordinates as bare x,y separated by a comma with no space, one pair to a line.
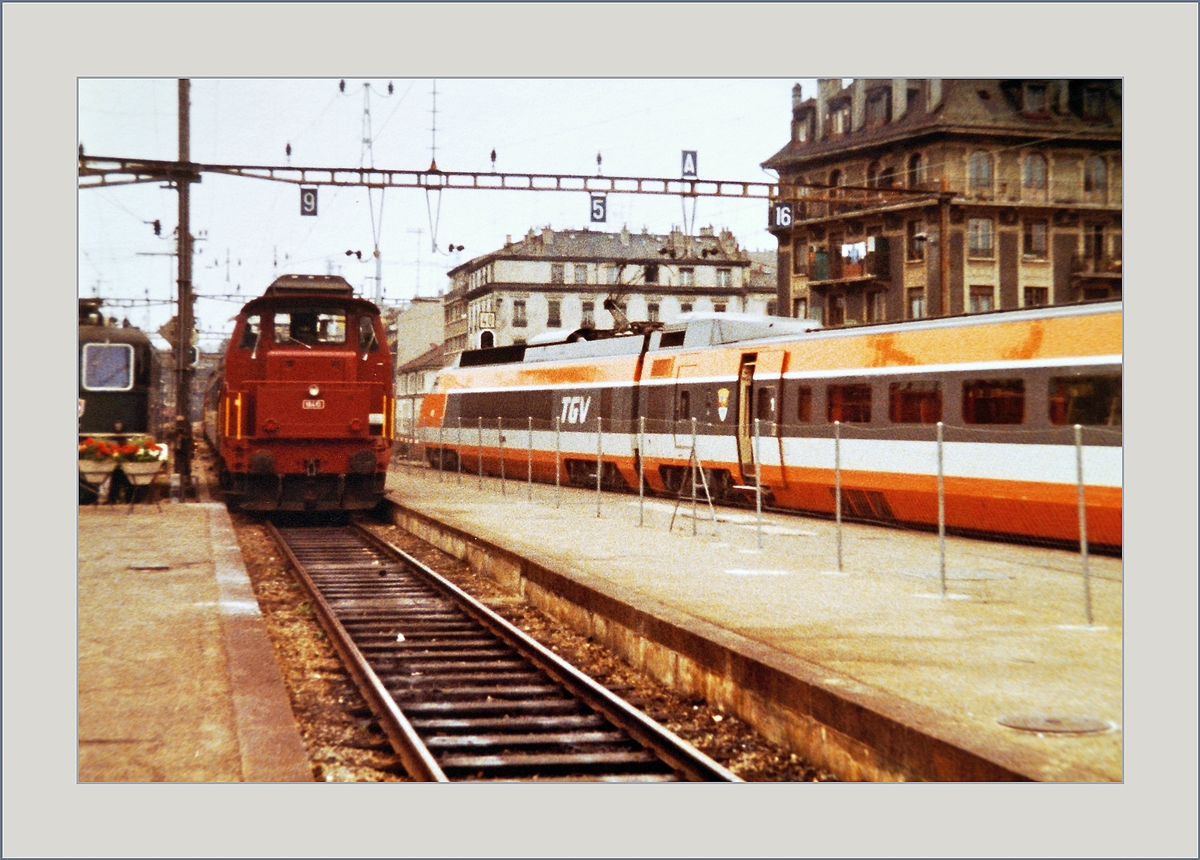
141,474
96,471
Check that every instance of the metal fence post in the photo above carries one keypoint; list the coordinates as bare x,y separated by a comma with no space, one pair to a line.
529,461
557,461
599,459
481,452
500,438
695,467
441,457
458,456
641,449
1083,538
941,491
837,487
757,482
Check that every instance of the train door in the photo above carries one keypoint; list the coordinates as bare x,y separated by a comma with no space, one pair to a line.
759,396
684,409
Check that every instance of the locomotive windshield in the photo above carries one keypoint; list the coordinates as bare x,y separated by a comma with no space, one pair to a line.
310,326
107,367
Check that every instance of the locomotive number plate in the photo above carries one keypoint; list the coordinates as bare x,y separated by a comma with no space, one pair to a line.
313,404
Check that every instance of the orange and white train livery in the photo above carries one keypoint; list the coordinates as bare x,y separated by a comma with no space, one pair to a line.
1025,402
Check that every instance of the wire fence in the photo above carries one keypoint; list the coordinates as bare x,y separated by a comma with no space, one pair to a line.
587,449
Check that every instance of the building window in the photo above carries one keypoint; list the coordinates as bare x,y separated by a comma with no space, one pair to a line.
877,109
771,305
983,299
1035,98
979,172
724,279
1036,297
916,171
1093,103
487,340
1035,171
650,273
876,307
614,274
873,174
581,273
1094,178
685,307
589,315
887,177
1036,240
994,401
652,311
800,309
916,240
554,313
841,120
915,402
519,320
557,274
980,238
719,307
848,403
687,277
837,310
916,303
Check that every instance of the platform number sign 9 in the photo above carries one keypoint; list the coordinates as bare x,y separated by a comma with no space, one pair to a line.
599,207
781,214
308,201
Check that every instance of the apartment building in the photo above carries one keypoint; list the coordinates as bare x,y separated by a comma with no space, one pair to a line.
905,198
557,281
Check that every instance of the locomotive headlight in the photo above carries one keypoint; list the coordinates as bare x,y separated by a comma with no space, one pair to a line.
314,391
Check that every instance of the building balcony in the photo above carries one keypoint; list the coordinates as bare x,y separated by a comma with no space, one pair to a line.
848,264
1096,266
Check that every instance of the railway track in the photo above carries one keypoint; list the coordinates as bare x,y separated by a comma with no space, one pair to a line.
463,695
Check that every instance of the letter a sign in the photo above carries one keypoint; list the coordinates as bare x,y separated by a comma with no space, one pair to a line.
689,163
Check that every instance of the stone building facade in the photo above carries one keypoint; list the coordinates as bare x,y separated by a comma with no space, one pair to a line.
1021,177
558,281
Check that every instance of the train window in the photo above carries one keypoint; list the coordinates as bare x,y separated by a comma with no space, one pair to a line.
250,332
309,326
367,342
107,367
849,403
1089,400
804,404
994,401
683,406
766,403
915,402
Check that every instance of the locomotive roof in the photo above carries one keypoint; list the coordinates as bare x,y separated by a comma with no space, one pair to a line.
303,285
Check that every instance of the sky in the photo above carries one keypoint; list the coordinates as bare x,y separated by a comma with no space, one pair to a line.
250,230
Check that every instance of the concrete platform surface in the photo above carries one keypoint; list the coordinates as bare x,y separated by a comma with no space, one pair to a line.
177,678
873,654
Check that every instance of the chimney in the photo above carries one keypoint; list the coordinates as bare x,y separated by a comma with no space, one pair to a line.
797,96
899,98
547,236
858,104
507,240
933,94
625,237
826,87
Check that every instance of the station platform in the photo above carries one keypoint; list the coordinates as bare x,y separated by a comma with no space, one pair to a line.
177,679
869,670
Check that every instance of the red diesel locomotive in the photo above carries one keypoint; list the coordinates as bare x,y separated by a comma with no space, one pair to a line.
299,411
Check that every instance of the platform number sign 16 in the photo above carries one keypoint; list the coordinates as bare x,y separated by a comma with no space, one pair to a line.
599,207
781,214
308,201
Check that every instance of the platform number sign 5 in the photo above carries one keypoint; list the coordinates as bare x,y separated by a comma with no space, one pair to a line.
781,214
599,207
308,201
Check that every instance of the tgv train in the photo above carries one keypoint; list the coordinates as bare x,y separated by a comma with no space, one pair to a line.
798,411
299,411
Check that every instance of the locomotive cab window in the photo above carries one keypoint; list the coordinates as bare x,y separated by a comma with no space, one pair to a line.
310,326
107,367
250,332
994,401
367,341
1094,401
915,402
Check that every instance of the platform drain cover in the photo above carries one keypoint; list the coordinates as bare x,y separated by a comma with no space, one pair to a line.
1069,724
